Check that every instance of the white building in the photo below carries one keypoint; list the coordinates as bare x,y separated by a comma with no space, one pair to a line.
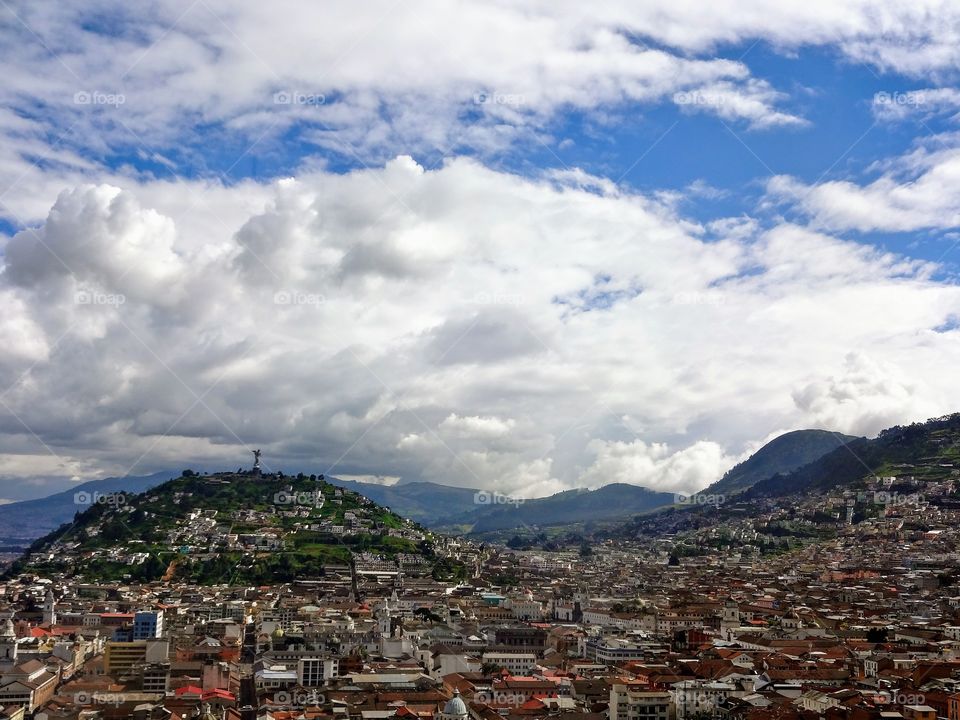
628,703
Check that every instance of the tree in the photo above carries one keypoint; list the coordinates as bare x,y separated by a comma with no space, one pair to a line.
516,542
426,614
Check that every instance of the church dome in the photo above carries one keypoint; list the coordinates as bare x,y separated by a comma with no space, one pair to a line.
455,706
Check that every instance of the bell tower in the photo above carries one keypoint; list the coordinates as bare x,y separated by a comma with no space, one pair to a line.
49,609
8,643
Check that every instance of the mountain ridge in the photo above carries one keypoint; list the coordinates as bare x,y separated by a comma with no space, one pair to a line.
50,512
784,453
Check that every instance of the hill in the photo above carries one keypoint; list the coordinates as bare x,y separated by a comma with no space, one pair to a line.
928,452
783,454
49,513
240,528
479,513
572,507
428,503
903,464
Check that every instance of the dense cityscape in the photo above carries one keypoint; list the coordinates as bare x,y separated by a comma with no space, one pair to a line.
843,604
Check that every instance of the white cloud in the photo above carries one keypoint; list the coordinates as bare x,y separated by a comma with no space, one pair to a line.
919,105
474,426
917,191
454,352
386,480
752,101
654,466
864,397
421,76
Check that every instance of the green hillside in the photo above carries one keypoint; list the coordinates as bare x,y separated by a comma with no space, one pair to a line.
927,451
781,455
225,527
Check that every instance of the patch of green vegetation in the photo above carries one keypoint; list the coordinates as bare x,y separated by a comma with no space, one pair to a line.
198,511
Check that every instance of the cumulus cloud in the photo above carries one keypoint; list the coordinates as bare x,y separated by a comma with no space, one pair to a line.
492,73
654,466
523,335
913,192
100,236
863,397
919,105
419,76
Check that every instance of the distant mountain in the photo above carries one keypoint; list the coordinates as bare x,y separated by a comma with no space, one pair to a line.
428,503
617,500
783,454
23,522
456,509
923,457
928,451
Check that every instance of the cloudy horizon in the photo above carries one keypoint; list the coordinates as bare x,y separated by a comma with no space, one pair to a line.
524,247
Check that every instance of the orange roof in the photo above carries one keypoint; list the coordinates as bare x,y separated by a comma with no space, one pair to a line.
218,693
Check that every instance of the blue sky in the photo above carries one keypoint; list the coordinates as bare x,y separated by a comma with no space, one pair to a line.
522,246
644,147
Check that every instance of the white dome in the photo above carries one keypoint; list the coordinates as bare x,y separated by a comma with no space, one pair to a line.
455,706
